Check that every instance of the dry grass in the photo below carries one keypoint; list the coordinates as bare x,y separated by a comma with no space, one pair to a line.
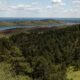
73,75
6,74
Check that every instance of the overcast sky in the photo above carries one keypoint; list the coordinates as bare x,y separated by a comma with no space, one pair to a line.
40,8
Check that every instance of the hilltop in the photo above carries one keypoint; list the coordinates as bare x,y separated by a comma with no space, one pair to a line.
30,23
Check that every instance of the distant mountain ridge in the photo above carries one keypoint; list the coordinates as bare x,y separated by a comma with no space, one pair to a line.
36,19
30,23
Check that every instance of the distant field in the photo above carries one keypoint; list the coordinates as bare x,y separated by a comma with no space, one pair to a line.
30,23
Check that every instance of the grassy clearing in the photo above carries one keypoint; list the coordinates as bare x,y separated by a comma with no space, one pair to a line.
73,75
7,74
2,35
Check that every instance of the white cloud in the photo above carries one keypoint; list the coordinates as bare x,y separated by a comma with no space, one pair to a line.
57,8
21,11
76,1
20,7
49,7
24,7
56,1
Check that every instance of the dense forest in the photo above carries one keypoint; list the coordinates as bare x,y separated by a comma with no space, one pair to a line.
40,55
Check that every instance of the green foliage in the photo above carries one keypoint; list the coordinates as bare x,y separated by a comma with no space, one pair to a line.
6,73
42,55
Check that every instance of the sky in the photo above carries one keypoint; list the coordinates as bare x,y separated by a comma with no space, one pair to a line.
40,8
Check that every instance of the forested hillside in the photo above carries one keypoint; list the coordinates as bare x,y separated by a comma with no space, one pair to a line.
40,55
